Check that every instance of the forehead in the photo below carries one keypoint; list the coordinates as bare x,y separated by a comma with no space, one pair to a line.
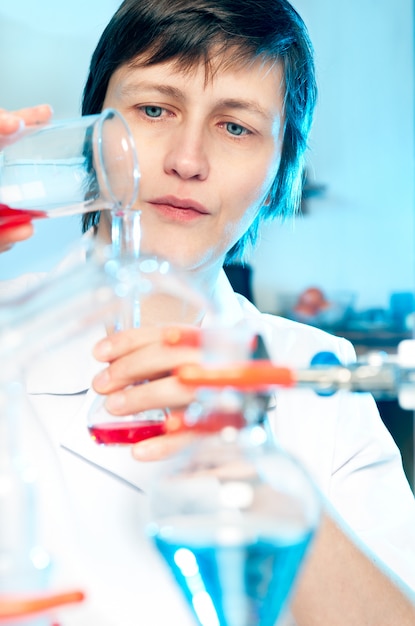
257,78
218,57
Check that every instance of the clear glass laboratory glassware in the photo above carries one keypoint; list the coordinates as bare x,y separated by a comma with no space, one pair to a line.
63,305
157,286
37,547
67,167
34,517
233,515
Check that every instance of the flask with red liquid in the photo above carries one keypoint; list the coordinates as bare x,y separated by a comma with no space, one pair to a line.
158,285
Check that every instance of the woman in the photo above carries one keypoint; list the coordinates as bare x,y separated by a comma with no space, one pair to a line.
219,95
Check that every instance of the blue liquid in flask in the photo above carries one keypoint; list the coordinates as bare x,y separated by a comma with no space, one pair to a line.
231,577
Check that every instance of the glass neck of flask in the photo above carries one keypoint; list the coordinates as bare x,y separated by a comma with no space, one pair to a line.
126,234
126,240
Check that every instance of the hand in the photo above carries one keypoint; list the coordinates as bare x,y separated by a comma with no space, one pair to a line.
11,125
148,355
10,236
12,122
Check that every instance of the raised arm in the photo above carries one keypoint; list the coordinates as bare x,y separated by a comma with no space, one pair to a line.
343,586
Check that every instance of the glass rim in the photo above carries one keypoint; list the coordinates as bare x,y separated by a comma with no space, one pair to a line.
106,114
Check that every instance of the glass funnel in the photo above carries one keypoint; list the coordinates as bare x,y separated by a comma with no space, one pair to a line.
232,515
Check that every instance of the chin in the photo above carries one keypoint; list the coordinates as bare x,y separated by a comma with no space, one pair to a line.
175,257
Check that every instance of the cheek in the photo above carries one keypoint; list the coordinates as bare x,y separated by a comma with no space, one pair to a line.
241,209
250,192
149,158
253,185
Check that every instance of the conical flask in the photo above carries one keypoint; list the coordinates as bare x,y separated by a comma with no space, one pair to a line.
232,515
103,427
158,287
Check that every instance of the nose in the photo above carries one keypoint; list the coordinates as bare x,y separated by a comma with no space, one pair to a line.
187,154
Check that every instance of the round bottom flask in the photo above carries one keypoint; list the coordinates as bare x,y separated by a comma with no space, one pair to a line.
233,516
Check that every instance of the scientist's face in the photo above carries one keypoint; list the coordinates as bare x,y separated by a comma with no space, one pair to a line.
208,152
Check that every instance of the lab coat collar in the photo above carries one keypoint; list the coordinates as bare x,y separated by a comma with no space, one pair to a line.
225,304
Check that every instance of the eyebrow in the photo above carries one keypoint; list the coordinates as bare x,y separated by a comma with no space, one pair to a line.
166,90
250,106
244,105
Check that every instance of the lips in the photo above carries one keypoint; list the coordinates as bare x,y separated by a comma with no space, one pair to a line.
179,204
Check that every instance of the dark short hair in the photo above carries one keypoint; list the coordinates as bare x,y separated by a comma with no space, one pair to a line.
186,31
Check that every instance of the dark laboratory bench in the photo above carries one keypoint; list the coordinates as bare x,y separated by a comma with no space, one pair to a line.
386,340
400,422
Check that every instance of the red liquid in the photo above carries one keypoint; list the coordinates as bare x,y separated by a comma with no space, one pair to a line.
12,218
217,420
129,432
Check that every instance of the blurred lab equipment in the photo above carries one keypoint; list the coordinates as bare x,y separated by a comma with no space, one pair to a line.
64,304
382,375
317,308
34,517
401,307
232,515
35,524
68,167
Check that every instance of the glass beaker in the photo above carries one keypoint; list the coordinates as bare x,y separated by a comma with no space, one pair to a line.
67,167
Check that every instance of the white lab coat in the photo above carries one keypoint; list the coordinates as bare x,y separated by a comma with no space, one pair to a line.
340,440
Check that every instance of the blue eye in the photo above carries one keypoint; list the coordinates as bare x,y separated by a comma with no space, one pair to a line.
235,129
153,111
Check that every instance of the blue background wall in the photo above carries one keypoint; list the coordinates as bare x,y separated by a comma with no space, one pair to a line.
359,237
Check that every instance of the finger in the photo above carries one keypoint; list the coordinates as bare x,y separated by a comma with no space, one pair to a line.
164,392
10,123
13,121
12,236
148,363
124,342
161,447
182,336
175,422
35,115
